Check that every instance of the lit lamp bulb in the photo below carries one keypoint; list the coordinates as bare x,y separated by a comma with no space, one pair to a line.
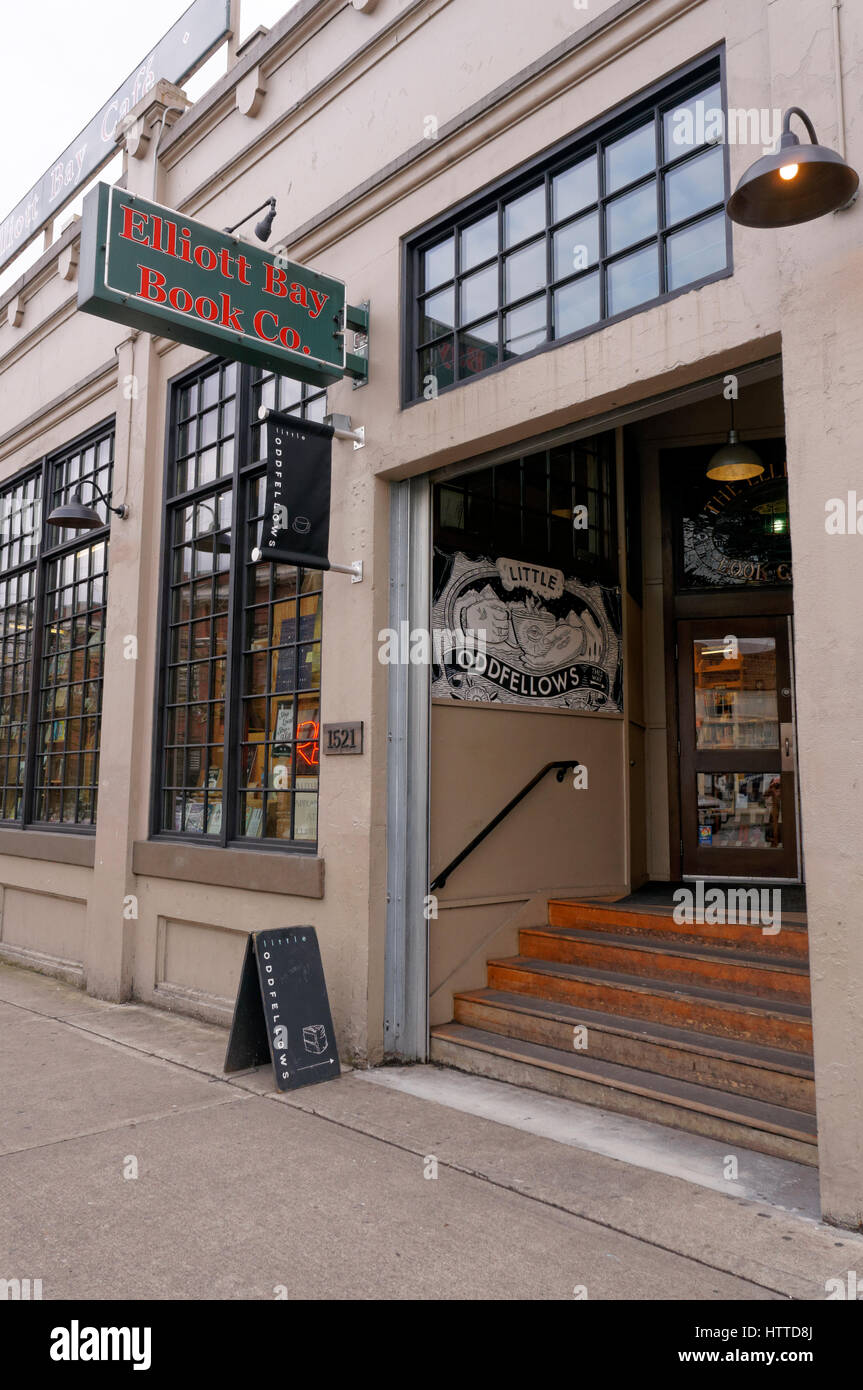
789,171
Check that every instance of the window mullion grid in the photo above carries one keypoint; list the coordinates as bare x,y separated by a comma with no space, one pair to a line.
416,350
660,199
159,763
455,336
521,501
501,289
573,500
548,501
232,752
549,266
56,559
295,701
34,693
602,202
686,222
661,102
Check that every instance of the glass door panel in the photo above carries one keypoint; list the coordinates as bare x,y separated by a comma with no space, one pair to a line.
735,692
737,776
739,810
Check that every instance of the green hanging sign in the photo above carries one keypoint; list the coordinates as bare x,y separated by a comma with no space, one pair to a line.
151,268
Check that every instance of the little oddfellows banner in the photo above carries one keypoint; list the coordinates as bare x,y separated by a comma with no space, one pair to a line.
533,635
198,31
296,525
151,268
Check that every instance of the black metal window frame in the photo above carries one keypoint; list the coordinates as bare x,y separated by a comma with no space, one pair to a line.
51,548
672,90
525,507
246,468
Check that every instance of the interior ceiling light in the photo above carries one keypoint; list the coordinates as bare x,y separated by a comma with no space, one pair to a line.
734,462
796,184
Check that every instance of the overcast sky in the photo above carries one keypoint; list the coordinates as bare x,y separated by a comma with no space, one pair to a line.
62,61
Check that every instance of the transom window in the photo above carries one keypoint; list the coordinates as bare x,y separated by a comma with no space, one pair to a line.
624,216
53,594
525,509
240,711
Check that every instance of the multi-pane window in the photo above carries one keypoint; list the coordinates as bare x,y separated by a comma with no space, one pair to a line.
53,593
240,708
20,521
556,506
622,217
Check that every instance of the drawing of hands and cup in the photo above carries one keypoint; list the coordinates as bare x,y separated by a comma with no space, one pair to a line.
529,629
546,641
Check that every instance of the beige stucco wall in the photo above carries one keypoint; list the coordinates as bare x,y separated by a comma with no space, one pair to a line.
559,840
820,292
347,96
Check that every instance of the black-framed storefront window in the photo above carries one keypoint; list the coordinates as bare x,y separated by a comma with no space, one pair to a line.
525,509
238,718
53,596
622,216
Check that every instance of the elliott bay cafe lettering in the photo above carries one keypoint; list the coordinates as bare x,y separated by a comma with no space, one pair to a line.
152,268
195,35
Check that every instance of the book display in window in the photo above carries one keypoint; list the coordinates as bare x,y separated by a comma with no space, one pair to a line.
194,820
284,729
290,676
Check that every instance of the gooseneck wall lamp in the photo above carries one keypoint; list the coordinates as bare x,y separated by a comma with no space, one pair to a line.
795,184
79,517
262,228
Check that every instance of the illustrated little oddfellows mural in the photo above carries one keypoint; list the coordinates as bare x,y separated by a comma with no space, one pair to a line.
529,634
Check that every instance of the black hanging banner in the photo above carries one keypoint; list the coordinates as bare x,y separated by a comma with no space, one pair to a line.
296,529
282,1013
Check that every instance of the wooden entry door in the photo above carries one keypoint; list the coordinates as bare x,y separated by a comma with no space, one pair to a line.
738,792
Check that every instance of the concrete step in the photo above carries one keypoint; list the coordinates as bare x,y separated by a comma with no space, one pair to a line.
748,972
791,940
699,1109
761,1073
723,1013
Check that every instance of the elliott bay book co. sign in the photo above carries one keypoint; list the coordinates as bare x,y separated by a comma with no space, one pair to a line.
155,269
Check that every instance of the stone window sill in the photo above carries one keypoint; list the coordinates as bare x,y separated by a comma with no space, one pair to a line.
47,845
298,875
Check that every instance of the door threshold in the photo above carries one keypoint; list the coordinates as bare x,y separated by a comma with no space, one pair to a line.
736,878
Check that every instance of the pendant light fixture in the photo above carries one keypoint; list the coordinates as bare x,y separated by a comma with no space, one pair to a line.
796,184
734,462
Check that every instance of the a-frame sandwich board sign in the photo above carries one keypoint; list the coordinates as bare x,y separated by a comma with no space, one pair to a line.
282,1013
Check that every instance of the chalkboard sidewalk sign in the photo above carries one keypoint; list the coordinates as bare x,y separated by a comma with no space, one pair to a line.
282,1013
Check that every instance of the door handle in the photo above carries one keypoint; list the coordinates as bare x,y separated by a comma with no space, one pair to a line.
786,739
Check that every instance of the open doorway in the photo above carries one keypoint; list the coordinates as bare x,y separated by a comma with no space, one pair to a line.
722,799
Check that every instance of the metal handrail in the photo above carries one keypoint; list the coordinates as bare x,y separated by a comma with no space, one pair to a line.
440,879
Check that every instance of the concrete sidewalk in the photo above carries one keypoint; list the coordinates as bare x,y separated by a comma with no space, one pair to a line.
242,1191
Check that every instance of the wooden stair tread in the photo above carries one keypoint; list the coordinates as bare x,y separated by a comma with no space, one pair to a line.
716,953
754,1114
730,1049
782,1008
587,910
